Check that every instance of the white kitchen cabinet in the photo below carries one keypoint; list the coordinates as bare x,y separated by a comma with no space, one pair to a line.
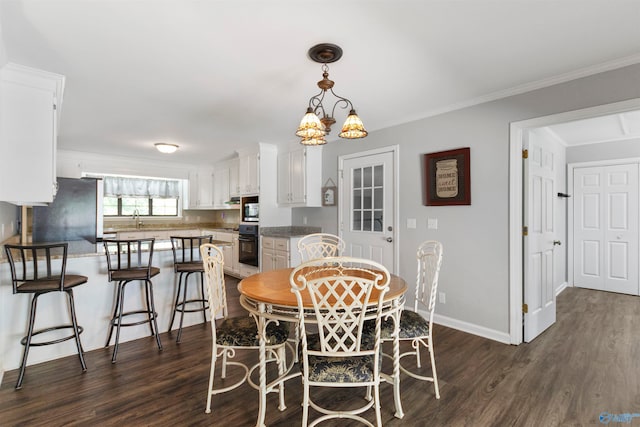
201,189
249,173
300,177
30,102
279,252
220,187
234,176
230,252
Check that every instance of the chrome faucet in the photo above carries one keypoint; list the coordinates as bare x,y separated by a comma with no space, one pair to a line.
136,218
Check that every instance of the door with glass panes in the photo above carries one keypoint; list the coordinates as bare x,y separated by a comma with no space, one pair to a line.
367,222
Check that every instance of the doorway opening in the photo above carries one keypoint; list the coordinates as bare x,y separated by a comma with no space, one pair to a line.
518,132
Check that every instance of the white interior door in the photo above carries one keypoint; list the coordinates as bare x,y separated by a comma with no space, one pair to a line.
540,171
605,228
367,220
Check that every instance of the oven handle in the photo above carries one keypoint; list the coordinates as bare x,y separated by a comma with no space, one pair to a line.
248,239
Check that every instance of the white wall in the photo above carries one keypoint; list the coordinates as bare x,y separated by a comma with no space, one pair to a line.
475,266
3,51
604,151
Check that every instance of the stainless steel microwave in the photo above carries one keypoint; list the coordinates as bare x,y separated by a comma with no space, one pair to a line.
251,212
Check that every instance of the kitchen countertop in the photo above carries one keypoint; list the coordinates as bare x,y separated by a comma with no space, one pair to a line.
163,227
289,231
85,248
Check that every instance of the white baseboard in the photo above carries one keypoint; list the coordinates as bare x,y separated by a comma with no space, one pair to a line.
471,328
561,288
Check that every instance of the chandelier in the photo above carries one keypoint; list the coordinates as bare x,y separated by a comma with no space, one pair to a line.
317,121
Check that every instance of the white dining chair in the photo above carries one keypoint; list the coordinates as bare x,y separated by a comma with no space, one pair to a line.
320,245
235,333
414,327
336,350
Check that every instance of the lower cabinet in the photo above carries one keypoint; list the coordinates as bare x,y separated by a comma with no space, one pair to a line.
229,252
279,252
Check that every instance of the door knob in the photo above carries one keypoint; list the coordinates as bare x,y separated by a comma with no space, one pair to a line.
389,239
557,242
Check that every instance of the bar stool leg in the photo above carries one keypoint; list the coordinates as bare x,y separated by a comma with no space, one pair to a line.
115,313
153,309
175,304
76,329
203,298
26,341
119,309
150,313
183,305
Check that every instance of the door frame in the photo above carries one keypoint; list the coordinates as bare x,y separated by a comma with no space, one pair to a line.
517,131
570,170
395,150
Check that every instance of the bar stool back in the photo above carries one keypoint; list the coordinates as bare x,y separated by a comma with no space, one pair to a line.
39,269
186,261
130,260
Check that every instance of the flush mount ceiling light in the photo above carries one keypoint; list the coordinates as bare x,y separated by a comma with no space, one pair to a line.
166,148
317,121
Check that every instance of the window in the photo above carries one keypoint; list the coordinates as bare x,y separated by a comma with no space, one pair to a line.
126,196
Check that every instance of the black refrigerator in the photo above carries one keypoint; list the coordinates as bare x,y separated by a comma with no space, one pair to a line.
74,214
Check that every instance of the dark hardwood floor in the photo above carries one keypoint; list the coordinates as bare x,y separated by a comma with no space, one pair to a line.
584,365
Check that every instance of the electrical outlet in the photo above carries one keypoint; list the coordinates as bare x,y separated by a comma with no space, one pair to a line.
304,220
432,223
442,298
411,223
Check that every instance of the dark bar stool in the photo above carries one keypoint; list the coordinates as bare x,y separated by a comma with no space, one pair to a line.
39,269
186,261
128,261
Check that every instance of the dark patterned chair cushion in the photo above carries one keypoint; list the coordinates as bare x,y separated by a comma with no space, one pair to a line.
412,325
336,369
243,332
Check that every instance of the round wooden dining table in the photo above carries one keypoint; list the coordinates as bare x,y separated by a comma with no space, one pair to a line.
269,298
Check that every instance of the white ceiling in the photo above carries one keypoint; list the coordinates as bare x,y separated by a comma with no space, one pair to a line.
213,76
614,127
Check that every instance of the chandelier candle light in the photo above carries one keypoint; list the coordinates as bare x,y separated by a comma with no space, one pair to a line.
313,129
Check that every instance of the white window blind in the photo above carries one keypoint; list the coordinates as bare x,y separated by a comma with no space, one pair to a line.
117,186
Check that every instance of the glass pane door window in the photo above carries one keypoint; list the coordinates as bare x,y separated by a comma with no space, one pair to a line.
367,198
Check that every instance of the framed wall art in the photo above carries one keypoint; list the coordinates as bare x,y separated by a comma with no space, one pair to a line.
448,177
329,193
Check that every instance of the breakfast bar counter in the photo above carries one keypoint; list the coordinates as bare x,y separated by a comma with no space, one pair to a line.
94,306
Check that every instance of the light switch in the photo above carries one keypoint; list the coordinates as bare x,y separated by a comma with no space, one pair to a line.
432,223
411,223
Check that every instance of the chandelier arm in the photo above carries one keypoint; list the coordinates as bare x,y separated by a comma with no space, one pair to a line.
316,103
341,100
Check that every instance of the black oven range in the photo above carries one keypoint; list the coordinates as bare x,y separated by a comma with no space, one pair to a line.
248,244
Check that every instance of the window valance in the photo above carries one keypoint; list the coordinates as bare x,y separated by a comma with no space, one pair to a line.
117,186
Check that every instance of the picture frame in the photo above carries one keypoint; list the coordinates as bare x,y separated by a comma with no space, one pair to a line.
447,177
329,195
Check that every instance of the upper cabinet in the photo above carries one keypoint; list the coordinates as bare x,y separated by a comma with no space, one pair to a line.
234,176
249,173
300,177
220,187
30,102
201,189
